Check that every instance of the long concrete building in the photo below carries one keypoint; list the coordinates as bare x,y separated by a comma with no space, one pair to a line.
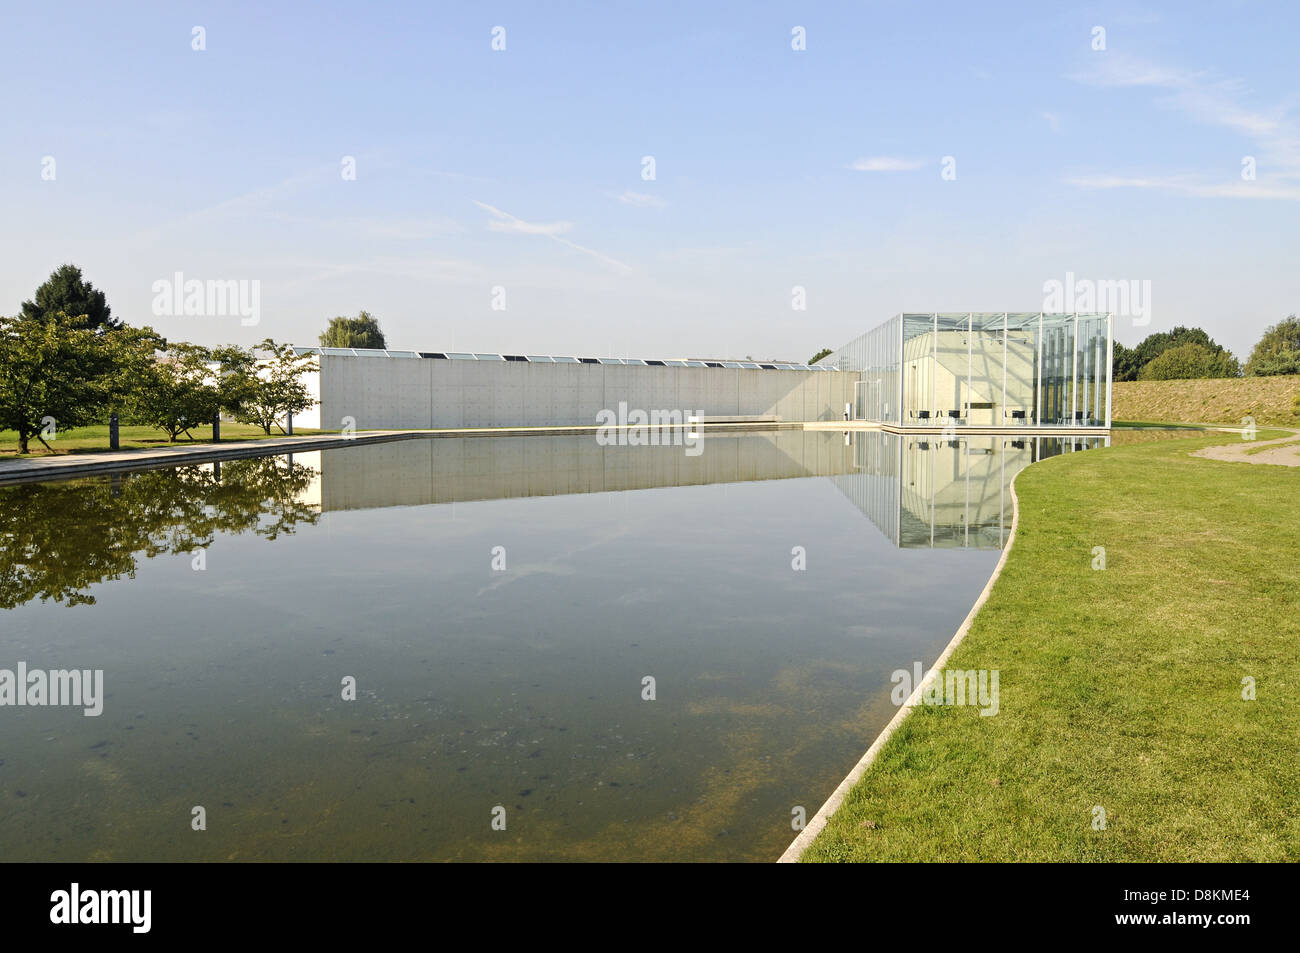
392,390
988,370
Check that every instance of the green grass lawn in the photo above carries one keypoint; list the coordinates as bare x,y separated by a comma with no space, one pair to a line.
1163,424
91,439
1119,688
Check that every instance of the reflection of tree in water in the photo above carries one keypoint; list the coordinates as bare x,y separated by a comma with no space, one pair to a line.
57,539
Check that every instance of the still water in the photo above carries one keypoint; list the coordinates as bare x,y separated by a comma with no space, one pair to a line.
500,603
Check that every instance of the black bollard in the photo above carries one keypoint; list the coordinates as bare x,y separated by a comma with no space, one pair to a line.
216,427
289,430
112,432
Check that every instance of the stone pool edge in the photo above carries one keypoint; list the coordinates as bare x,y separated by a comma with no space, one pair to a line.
71,466
817,824
41,469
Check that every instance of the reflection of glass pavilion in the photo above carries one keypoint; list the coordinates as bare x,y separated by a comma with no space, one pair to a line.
930,491
982,369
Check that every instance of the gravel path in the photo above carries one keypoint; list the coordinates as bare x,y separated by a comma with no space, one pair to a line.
1287,456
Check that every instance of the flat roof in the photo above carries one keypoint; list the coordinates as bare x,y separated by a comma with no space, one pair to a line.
558,359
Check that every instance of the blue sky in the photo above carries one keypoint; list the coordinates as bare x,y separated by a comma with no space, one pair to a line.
522,168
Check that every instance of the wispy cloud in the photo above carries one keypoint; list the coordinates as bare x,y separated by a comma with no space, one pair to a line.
1119,182
1053,122
706,254
1138,17
1196,93
517,227
1210,101
886,164
503,221
1118,70
1190,185
306,272
640,200
247,204
371,227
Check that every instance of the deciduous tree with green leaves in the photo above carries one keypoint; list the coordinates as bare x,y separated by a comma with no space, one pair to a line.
1127,363
819,355
55,373
361,331
264,391
176,392
1278,351
1190,362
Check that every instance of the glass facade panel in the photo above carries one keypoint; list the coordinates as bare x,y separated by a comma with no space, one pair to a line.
1092,371
876,356
982,369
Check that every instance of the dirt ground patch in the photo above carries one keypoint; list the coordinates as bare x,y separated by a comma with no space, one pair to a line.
1283,451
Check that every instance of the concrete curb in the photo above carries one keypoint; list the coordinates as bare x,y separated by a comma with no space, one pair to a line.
815,826
70,467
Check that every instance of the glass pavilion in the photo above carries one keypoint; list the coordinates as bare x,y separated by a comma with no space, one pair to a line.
982,369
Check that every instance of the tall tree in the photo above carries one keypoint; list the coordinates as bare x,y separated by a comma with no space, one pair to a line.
1278,351
361,331
264,391
56,374
1124,365
1128,363
176,392
68,292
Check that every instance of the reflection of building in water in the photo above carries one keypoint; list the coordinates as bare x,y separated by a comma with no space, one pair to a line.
924,491
311,495
920,490
426,471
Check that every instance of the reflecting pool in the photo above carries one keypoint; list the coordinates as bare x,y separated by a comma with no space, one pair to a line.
500,604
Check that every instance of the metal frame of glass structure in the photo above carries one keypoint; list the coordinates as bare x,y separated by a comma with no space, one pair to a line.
982,369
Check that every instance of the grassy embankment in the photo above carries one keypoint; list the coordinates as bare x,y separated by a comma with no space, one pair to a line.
91,439
1270,400
1119,688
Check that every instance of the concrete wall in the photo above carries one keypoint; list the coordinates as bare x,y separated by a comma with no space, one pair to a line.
397,393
